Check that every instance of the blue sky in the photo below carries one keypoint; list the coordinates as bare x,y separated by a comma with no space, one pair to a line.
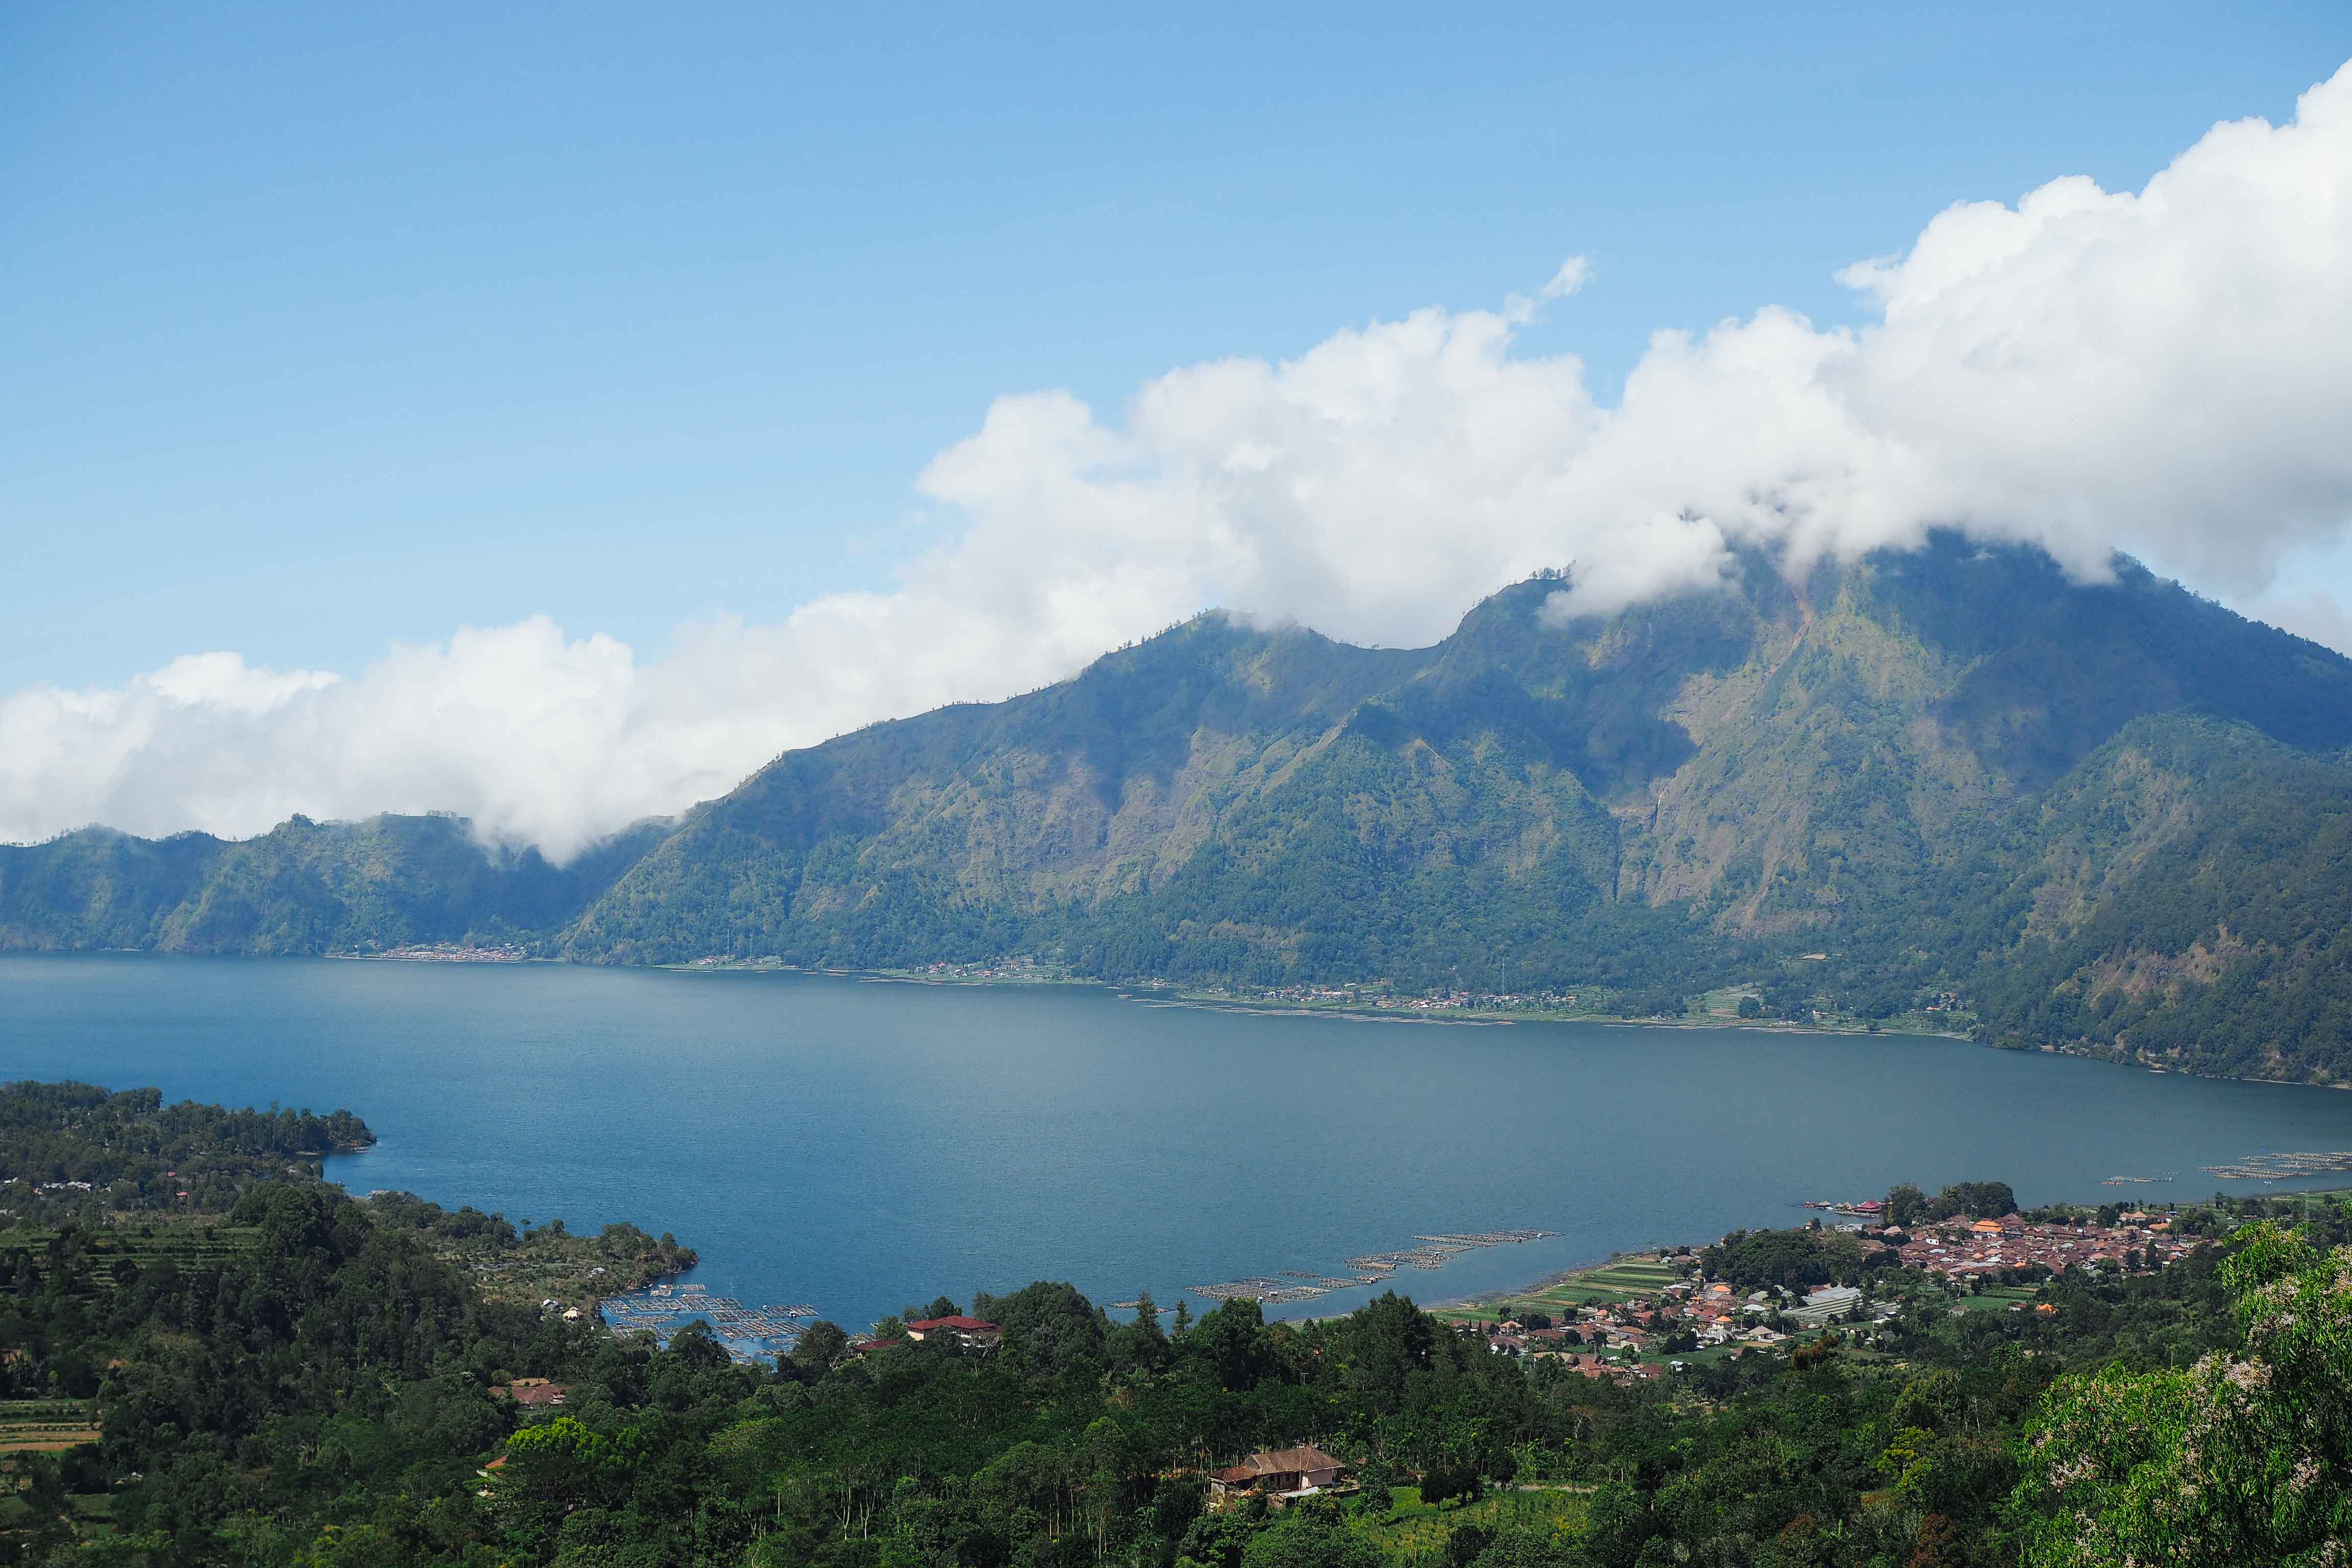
327,327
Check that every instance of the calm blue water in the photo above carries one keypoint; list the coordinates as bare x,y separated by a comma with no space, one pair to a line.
864,1145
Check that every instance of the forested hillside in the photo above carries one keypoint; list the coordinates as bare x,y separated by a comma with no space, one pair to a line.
304,888
68,1148
2107,816
1946,771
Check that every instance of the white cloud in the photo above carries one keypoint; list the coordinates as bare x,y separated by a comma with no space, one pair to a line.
1574,273
2166,371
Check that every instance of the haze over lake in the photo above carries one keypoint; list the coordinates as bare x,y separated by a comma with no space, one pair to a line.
861,1145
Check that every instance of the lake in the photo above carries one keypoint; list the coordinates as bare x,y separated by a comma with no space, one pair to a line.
861,1145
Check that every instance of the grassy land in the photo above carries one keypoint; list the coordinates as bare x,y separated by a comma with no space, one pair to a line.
1620,1279
1411,1529
1999,1298
45,1426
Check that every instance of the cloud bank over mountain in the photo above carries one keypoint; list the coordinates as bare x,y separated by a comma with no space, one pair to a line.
2163,371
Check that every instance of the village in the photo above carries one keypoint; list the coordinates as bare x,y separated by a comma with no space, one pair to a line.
1634,1319
1976,1249
1644,1317
448,952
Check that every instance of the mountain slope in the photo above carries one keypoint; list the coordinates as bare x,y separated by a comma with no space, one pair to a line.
1934,766
2116,816
946,834
303,888
2222,939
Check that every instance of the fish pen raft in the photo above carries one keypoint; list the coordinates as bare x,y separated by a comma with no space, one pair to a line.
2280,1167
749,1333
1371,1268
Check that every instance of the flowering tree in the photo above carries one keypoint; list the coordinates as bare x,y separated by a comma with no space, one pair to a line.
2242,1458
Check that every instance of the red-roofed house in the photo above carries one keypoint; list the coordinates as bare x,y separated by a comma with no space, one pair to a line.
533,1391
1281,1472
975,1332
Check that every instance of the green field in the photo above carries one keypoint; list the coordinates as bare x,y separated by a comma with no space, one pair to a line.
1619,1279
1999,1298
1412,1530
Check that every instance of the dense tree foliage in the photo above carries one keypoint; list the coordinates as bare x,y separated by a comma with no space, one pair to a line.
1906,1205
304,888
2243,1457
1789,1260
64,1146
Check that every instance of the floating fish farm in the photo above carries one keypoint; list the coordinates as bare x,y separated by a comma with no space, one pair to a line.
2280,1167
749,1334
1372,1268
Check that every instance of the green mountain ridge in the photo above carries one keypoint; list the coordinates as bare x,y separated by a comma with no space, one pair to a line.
304,888
2113,816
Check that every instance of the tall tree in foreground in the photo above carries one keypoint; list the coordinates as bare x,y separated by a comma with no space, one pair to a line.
2241,1458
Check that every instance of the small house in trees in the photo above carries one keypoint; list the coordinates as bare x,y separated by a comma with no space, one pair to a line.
1278,1472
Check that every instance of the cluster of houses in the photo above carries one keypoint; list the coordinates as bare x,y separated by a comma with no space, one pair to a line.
1709,1314
455,953
1627,1332
972,1333
1632,1327
1720,1315
1964,1247
1608,1341
1443,1001
1594,1364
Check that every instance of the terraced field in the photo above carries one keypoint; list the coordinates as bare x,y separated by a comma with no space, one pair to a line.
1619,1279
184,1244
45,1426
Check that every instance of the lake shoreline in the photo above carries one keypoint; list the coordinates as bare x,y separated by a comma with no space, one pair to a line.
862,1145
1268,1007
1272,1007
1276,1007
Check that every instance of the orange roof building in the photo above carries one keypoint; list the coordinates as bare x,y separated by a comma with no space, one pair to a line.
1281,1472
